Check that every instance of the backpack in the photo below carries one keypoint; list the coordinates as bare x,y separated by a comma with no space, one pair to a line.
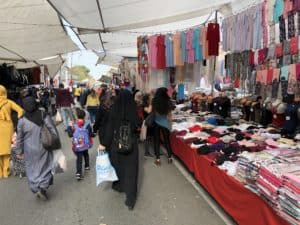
81,140
124,138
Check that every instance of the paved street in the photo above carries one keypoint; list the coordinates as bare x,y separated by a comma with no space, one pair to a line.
165,198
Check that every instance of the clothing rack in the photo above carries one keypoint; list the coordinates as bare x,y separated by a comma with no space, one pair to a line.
253,4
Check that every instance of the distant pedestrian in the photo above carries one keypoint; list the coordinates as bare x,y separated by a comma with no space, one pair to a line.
53,103
147,109
81,133
64,102
162,108
83,97
6,130
92,105
38,161
102,115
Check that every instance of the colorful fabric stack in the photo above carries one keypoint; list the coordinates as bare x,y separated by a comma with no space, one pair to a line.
249,165
270,180
289,197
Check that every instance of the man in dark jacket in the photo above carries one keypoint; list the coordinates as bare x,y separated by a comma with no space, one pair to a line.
64,101
83,97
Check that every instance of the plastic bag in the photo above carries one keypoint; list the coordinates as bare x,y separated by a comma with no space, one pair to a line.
104,170
58,118
59,162
143,133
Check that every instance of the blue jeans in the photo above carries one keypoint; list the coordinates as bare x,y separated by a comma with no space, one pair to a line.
92,111
66,115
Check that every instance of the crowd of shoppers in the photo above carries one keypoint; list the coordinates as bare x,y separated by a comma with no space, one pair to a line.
85,113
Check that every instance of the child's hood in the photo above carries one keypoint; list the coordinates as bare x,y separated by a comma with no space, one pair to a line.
80,123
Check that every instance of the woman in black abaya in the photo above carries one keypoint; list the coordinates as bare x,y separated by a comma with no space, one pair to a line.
126,165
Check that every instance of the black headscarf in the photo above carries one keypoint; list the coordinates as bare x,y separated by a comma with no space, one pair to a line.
124,108
32,113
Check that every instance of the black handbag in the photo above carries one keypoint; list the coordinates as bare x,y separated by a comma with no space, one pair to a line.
50,141
149,121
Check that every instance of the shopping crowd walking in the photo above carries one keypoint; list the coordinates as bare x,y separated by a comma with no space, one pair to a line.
116,115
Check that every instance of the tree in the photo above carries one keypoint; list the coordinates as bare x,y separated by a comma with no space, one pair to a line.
81,72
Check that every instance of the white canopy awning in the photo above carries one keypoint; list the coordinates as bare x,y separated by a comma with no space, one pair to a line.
31,30
114,25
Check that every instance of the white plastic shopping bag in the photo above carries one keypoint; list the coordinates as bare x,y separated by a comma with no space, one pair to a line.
105,171
58,118
59,162
143,134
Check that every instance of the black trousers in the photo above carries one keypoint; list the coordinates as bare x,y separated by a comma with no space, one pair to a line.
80,155
166,136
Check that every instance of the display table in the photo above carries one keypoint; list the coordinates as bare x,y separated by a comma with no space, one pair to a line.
244,206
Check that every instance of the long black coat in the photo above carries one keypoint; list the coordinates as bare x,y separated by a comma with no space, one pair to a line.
126,165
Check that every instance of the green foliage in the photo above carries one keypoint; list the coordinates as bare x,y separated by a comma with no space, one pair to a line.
80,72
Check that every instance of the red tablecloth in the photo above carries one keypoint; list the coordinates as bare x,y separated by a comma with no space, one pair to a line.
245,207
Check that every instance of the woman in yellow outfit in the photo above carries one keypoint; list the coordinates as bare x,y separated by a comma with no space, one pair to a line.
6,130
92,104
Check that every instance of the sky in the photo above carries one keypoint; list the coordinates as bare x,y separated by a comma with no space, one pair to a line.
88,59
85,57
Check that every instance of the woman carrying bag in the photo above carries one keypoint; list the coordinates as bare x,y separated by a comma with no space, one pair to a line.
120,138
30,146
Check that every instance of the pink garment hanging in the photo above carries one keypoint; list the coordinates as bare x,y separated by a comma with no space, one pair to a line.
189,47
153,51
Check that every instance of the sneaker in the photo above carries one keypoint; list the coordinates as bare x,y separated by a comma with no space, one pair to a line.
87,168
79,177
170,160
42,195
157,162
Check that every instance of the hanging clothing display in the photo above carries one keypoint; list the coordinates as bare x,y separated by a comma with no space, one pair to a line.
189,47
153,51
177,50
278,10
196,44
161,48
169,51
213,38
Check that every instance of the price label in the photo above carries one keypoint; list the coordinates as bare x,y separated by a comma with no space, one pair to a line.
215,104
220,108
288,118
252,110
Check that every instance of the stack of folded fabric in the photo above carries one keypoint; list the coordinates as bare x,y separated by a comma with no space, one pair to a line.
270,180
289,197
249,165
244,159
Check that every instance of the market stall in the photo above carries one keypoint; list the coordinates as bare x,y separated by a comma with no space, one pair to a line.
229,159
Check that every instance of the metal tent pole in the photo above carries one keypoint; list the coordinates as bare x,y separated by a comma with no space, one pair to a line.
215,61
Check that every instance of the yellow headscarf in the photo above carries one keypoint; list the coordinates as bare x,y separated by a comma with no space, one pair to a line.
4,114
3,92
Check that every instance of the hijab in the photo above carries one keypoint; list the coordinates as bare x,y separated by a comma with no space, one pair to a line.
32,113
107,100
4,113
124,108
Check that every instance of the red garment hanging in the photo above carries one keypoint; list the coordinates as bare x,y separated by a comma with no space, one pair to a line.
161,52
213,38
